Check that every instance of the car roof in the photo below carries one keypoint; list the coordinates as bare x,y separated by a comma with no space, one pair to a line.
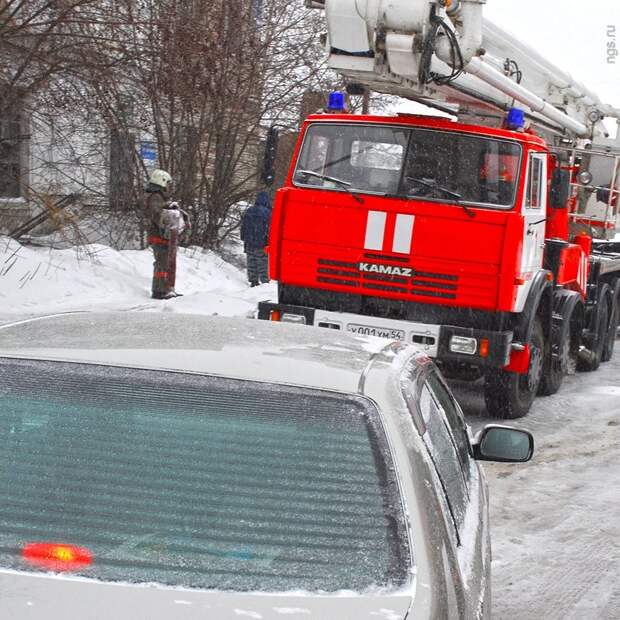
234,347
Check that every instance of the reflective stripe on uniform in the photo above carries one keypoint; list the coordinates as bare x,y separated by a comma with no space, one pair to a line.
154,240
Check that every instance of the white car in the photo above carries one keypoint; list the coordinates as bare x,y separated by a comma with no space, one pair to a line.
162,466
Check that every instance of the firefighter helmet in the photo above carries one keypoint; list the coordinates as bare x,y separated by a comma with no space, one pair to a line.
161,178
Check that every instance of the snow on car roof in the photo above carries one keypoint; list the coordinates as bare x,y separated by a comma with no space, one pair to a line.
243,348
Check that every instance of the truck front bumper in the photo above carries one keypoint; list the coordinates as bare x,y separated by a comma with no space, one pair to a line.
449,343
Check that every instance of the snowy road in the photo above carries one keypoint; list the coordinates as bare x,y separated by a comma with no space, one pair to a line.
556,521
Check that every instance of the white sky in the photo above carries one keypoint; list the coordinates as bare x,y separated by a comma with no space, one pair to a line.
572,34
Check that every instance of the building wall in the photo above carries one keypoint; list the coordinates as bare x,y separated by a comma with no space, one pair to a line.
57,158
68,156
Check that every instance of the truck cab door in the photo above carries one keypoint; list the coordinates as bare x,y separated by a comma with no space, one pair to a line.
534,212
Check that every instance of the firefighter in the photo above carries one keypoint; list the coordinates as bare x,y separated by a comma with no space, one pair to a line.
255,234
158,192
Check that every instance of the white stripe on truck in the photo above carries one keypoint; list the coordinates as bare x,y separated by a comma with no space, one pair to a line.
403,233
375,230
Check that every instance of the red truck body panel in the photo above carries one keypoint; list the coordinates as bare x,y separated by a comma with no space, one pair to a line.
319,236
457,259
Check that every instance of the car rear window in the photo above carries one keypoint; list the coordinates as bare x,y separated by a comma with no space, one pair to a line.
197,481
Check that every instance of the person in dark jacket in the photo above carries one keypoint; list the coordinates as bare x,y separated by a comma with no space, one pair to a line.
255,234
157,194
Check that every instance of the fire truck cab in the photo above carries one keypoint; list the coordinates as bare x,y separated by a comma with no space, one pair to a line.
448,235
486,240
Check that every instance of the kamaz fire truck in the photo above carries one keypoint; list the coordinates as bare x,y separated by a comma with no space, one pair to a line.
485,236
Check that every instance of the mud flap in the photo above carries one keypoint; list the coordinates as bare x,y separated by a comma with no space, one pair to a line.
565,303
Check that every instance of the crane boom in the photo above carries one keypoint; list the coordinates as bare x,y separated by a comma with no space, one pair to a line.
444,52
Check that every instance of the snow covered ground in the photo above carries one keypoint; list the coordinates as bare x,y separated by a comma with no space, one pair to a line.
555,521
36,280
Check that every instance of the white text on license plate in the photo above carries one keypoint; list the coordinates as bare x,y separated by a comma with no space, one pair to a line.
382,332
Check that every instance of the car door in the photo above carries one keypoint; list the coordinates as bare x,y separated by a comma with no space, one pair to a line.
534,211
445,451
465,491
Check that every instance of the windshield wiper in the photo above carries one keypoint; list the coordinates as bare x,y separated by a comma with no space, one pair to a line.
345,184
433,185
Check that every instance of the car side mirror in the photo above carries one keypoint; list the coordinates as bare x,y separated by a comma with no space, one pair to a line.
503,444
560,189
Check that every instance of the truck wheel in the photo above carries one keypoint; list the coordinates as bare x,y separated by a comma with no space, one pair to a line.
554,370
610,338
509,395
591,360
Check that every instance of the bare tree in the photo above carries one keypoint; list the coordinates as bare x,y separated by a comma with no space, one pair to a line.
37,46
207,78
202,79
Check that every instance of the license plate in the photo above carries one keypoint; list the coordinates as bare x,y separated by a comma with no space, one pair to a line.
382,332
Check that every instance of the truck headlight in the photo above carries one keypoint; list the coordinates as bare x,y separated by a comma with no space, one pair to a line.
288,317
460,344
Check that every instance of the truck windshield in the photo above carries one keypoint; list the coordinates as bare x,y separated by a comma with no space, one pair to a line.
410,163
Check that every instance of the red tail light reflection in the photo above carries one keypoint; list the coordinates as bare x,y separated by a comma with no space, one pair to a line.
57,556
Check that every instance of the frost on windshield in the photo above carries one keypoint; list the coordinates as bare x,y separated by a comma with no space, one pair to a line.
365,158
197,481
409,163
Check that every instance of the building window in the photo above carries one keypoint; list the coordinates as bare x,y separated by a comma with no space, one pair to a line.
12,147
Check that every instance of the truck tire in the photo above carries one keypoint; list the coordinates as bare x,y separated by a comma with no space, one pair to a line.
592,359
610,338
554,370
509,395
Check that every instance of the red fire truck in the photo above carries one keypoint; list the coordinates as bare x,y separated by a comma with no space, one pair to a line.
478,240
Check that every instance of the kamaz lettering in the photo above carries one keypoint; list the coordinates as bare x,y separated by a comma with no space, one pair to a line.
405,272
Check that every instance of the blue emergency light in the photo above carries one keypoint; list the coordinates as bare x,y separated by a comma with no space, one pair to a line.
515,119
336,102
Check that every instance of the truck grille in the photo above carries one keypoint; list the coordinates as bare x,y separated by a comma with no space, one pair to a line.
419,283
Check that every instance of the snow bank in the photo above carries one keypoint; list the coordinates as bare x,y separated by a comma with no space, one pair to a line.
38,280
